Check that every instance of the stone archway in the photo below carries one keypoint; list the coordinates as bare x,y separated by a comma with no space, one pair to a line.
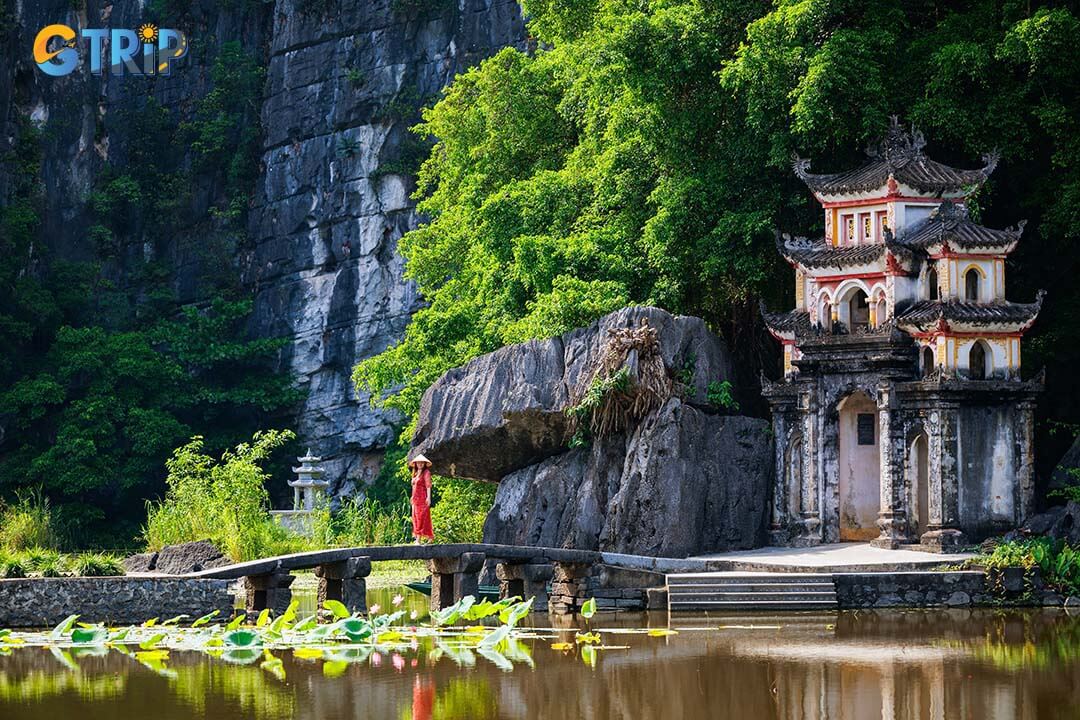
859,482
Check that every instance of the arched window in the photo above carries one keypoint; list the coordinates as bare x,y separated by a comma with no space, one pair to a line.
927,361
932,281
971,285
859,310
977,361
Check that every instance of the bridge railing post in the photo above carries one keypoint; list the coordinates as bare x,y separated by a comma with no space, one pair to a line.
569,588
452,578
525,580
271,590
346,582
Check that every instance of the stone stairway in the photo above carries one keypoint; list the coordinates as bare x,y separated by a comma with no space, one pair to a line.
759,591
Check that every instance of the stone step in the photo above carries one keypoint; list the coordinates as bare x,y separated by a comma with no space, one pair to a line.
751,587
753,597
746,577
760,605
750,591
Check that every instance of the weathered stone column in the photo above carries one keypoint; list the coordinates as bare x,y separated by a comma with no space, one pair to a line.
1025,467
346,582
781,497
525,580
268,591
809,506
568,588
892,513
453,578
944,512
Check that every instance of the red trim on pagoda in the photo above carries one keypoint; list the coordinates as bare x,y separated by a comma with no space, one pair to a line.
888,197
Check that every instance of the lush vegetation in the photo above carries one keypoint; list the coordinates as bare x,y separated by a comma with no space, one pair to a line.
642,154
105,369
1058,562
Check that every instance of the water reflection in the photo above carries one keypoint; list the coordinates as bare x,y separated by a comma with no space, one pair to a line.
838,666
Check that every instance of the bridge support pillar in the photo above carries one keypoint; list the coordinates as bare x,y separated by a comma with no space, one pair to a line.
453,578
525,580
268,591
569,588
346,582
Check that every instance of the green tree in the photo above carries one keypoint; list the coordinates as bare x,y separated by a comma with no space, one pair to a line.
642,154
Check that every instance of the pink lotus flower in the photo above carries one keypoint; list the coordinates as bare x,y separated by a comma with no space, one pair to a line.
374,609
398,662
398,599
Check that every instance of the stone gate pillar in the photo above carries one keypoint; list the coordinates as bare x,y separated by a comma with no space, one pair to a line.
809,504
943,531
892,514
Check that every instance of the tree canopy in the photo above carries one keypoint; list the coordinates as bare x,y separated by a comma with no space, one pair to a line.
640,152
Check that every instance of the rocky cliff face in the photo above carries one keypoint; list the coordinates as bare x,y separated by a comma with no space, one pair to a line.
343,82
688,478
341,89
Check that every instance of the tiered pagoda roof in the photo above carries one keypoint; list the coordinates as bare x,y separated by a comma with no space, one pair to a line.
820,254
949,227
928,315
787,325
898,155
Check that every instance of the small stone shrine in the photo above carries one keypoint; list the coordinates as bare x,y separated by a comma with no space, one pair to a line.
902,417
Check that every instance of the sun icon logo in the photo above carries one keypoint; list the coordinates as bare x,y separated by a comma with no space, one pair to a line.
148,33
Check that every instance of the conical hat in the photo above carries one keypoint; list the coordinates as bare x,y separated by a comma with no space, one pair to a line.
419,459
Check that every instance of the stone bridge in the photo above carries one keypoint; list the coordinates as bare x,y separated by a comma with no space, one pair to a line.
455,570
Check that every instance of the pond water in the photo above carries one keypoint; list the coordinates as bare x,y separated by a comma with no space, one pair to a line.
933,664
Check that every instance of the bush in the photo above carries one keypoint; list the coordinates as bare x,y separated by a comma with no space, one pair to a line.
97,565
1059,562
364,522
459,509
224,501
11,566
27,524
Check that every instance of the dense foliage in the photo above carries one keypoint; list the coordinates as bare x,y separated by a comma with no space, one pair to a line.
103,370
223,501
1058,562
642,154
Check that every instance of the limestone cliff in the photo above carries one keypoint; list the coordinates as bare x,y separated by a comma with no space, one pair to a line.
343,81
688,478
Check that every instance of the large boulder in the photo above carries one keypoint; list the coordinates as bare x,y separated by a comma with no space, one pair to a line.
683,482
1060,523
1067,471
179,559
505,411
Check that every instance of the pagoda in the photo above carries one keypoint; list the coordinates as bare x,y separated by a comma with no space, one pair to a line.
902,417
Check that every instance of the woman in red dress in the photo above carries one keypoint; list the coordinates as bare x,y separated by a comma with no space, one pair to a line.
421,499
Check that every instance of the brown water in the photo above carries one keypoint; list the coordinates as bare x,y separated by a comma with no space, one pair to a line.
980,664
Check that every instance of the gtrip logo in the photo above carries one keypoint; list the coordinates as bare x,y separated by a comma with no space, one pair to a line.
146,51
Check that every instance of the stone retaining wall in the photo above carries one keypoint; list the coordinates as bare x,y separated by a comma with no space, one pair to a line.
44,602
911,589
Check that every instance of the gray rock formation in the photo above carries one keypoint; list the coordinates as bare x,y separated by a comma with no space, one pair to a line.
1067,471
350,77
504,411
178,559
1060,523
687,479
685,482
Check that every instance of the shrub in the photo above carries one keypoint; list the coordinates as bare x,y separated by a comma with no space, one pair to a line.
719,394
459,509
1059,563
225,501
28,523
366,522
97,565
11,566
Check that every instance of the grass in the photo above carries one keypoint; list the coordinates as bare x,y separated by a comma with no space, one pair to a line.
45,562
27,523
1058,562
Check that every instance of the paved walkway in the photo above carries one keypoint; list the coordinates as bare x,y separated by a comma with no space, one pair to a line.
852,556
